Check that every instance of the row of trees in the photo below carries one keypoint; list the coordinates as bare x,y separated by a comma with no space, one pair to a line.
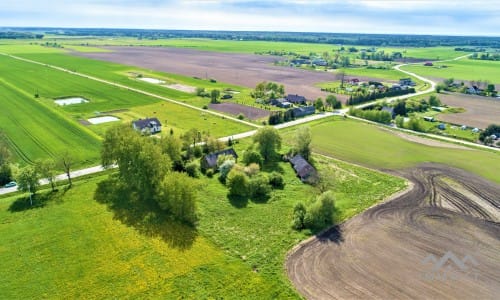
372,115
361,98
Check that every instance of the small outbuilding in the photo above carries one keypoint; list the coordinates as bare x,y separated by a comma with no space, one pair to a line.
209,161
149,125
304,170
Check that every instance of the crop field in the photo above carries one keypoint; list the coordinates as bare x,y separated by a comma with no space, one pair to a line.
235,240
348,140
36,131
479,111
431,53
463,69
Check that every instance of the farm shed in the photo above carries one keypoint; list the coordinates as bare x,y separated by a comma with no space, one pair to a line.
304,170
209,161
303,111
149,125
296,99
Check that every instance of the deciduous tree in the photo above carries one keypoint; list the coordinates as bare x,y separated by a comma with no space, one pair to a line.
269,141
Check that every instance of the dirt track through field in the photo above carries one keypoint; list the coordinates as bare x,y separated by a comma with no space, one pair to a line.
380,253
239,69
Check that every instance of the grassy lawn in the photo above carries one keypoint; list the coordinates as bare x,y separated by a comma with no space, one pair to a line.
464,69
103,251
364,143
386,74
74,247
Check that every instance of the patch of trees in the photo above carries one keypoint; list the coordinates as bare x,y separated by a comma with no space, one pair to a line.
380,55
486,56
361,98
19,35
372,115
361,39
247,180
145,167
5,161
485,135
316,214
268,90
278,117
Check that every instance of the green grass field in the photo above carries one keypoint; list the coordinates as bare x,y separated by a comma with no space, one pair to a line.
366,144
73,246
463,69
36,131
38,128
432,53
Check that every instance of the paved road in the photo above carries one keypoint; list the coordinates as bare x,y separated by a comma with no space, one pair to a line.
60,177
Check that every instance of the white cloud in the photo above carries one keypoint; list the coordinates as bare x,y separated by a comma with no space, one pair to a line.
375,16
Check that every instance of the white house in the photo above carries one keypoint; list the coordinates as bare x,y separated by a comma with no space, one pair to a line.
149,125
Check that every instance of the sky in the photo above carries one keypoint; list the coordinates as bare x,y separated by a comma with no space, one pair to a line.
439,17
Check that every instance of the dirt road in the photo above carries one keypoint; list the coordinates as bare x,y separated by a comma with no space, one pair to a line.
406,248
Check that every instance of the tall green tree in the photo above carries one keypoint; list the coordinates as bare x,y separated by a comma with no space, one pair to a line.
177,194
269,141
303,140
66,161
47,170
319,105
28,179
214,96
140,160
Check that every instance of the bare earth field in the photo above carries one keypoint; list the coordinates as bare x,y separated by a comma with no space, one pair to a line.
239,69
251,113
413,247
480,111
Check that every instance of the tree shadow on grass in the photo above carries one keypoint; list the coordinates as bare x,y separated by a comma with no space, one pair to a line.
145,216
273,166
39,201
238,201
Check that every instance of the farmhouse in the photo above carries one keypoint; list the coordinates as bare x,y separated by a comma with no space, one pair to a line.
149,125
296,99
281,102
474,90
407,81
304,170
209,161
303,111
354,81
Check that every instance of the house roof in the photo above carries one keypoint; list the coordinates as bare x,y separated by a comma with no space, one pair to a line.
388,109
211,158
302,167
147,123
295,98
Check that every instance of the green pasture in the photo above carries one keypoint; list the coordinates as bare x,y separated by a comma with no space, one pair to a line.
74,243
36,131
369,145
463,69
233,46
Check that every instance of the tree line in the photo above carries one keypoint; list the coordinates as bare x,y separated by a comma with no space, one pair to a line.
361,98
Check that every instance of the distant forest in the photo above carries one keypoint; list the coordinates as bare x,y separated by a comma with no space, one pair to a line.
305,37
